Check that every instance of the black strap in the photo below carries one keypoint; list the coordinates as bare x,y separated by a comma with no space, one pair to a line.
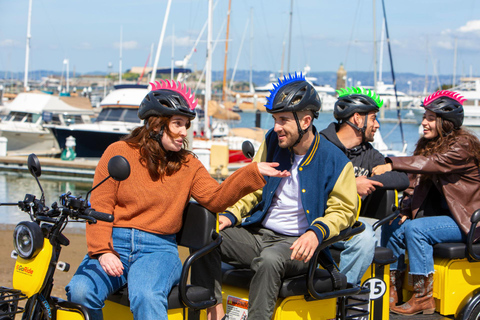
327,263
300,131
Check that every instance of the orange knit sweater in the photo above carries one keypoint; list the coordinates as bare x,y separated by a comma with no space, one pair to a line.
157,206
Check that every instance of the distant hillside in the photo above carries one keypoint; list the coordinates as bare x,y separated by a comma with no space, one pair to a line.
261,78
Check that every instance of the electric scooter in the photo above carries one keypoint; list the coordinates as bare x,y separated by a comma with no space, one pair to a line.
38,244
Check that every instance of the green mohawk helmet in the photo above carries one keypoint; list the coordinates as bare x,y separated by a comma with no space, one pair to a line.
359,90
355,99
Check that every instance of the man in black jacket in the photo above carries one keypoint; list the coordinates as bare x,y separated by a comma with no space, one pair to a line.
355,111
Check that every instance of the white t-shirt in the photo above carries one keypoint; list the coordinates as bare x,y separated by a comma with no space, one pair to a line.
286,214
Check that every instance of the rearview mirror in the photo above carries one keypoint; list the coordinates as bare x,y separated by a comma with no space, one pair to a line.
34,165
248,149
118,168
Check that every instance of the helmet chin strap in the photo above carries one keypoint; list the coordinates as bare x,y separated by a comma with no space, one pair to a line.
361,130
301,132
158,137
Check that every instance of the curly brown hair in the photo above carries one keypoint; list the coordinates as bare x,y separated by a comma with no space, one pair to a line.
158,161
446,136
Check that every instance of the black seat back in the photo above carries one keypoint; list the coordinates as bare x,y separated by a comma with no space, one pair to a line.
199,225
379,204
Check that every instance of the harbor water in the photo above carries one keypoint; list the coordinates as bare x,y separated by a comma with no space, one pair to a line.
14,186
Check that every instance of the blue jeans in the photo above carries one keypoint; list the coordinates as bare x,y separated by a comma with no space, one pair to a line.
151,266
357,253
418,237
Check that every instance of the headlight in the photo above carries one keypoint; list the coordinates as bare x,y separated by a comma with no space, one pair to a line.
27,239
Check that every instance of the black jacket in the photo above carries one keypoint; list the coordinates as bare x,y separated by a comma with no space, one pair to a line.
364,158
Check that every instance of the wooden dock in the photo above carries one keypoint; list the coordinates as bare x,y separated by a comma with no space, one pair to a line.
78,169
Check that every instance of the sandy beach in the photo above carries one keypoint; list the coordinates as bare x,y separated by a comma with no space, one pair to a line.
72,254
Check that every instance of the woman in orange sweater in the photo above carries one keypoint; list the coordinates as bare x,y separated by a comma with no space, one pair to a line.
140,244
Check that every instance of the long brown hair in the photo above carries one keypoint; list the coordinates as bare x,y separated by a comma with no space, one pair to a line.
158,161
446,136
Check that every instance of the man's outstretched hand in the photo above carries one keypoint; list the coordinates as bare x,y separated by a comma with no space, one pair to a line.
268,169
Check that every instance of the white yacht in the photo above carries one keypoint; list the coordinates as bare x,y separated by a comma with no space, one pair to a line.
117,118
24,125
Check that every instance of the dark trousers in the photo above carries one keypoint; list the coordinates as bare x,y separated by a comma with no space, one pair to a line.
265,252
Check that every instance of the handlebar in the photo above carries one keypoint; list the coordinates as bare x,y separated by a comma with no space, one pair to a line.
99,215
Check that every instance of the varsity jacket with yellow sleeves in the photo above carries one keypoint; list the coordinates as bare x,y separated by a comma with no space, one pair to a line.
326,179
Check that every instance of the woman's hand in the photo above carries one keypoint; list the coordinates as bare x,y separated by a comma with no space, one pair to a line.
402,219
268,169
111,264
381,169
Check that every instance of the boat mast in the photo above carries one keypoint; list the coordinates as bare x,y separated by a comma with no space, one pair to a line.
160,42
454,63
238,57
208,69
27,49
374,47
172,63
120,62
380,63
224,87
290,37
399,116
251,89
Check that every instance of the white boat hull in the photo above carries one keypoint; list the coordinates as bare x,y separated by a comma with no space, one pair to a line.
30,141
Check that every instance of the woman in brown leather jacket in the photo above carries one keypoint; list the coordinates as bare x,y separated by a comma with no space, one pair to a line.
444,192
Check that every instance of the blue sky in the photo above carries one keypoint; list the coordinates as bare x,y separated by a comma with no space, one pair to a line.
324,34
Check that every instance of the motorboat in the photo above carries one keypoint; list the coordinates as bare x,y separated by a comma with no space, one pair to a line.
117,118
29,113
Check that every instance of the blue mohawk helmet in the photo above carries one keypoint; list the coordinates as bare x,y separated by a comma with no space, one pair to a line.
293,94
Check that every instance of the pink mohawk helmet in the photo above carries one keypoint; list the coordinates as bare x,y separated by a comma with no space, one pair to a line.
177,87
447,105
444,93
166,99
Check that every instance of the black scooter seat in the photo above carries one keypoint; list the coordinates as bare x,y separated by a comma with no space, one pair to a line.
290,287
194,293
453,250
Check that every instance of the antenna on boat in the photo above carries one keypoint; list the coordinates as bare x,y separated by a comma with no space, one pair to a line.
393,76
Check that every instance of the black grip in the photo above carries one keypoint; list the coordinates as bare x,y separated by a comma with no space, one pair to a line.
100,215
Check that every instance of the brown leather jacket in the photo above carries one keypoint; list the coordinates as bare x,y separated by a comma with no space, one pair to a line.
454,173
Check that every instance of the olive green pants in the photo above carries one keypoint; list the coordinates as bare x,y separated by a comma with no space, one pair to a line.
265,252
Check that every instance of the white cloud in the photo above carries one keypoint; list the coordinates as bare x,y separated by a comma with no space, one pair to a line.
467,36
8,43
471,26
127,45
